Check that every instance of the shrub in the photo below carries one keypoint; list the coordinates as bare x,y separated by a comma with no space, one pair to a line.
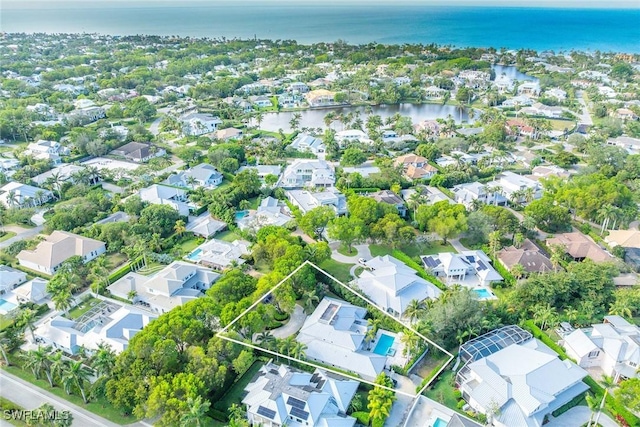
362,417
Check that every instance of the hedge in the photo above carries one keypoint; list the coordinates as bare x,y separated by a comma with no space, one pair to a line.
411,263
122,271
362,417
365,190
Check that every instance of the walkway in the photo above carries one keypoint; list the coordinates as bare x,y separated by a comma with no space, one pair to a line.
457,245
293,325
27,233
578,416
363,252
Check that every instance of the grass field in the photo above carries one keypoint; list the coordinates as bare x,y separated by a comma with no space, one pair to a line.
234,395
7,235
337,269
227,236
442,391
82,308
188,246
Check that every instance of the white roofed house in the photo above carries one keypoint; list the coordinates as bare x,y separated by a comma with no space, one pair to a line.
66,172
335,335
467,194
174,285
456,267
517,188
308,143
15,194
529,88
612,346
47,150
308,173
164,195
516,381
106,323
283,396
202,175
352,135
392,285
270,212
205,226
10,278
263,170
219,254
228,134
307,200
57,248
198,124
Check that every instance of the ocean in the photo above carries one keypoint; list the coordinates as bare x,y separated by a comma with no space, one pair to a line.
558,29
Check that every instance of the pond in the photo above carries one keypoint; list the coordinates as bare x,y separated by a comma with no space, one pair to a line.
315,118
512,72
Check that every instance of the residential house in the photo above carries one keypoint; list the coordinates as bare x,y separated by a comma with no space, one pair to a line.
88,114
65,173
195,124
138,152
529,88
10,278
612,346
219,254
516,383
415,167
108,323
529,255
428,127
344,137
35,290
626,114
289,100
263,170
434,92
467,194
202,175
517,101
174,285
320,97
15,194
390,198
539,109
163,195
284,396
46,150
430,195
456,267
229,134
580,247
624,238
556,93
308,143
503,83
516,188
205,226
115,217
546,171
261,101
9,166
58,247
308,173
336,335
392,285
518,127
270,212
307,200
632,145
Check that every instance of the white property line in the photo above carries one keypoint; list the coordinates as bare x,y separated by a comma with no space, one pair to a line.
224,330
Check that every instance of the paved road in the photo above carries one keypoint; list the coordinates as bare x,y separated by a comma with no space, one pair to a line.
578,416
457,245
585,117
293,325
21,236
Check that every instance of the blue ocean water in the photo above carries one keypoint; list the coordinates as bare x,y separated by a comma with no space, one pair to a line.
512,27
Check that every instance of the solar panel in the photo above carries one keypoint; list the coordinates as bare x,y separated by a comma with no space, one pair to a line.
320,384
315,378
296,403
266,412
481,266
329,312
299,413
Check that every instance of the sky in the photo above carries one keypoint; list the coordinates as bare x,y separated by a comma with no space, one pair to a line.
605,4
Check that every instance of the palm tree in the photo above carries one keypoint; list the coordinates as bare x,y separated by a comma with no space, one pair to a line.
374,325
544,315
557,256
55,181
104,360
298,350
266,339
608,383
495,241
62,300
5,342
191,182
518,271
28,319
310,298
592,403
77,375
415,309
415,200
244,204
180,227
411,342
518,239
621,308
571,314
12,199
197,415
38,361
58,364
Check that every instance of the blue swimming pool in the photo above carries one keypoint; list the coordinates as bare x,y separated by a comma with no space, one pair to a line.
6,306
195,255
440,423
384,344
483,293
241,214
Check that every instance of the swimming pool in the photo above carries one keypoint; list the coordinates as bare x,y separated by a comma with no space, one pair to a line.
6,306
384,345
195,255
440,423
241,214
483,293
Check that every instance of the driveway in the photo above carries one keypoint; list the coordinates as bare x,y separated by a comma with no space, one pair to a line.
363,252
21,236
578,416
293,325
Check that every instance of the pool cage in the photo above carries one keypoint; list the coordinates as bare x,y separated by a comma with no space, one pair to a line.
487,344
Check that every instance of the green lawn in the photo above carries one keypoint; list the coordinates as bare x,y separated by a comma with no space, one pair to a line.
345,251
82,308
443,391
234,395
187,246
227,236
413,250
7,235
7,405
337,269
115,260
100,407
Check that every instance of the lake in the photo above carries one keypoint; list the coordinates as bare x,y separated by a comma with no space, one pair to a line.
315,118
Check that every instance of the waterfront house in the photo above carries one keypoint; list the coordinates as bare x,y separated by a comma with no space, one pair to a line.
196,124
